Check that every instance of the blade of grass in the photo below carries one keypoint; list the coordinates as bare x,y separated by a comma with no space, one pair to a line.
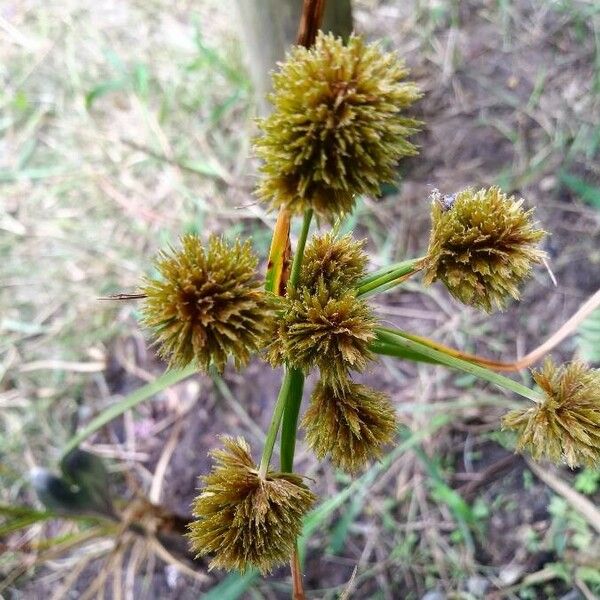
116,410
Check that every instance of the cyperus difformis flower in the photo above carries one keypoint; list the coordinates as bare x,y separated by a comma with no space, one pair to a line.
565,424
340,262
338,125
324,330
350,425
244,520
207,304
482,246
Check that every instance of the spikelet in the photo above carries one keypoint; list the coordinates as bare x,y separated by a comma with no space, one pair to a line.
565,424
243,520
208,304
340,262
338,126
350,425
324,330
482,246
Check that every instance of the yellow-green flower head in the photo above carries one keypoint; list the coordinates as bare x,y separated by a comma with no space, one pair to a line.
340,262
243,520
338,125
324,330
482,246
350,425
565,424
208,304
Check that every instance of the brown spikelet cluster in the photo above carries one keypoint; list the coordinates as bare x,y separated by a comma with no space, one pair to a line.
483,245
243,520
565,424
324,330
207,304
338,126
340,262
350,425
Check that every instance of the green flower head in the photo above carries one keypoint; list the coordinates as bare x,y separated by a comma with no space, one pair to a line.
482,246
208,304
565,424
350,425
338,126
244,520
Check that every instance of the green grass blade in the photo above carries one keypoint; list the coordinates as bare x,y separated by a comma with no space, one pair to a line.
115,410
232,587
16,518
587,192
395,337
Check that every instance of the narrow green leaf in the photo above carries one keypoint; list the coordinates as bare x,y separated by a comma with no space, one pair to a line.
387,278
102,89
587,192
20,517
396,337
112,412
232,587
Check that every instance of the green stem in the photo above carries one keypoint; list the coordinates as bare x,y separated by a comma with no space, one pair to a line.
290,392
395,337
274,425
299,254
389,277
289,426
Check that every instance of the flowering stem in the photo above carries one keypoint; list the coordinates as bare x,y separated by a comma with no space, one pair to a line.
396,343
389,277
290,393
299,254
274,426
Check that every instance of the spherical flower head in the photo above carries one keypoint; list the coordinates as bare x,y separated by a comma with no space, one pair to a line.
565,424
338,126
339,262
483,245
324,330
351,425
244,520
207,304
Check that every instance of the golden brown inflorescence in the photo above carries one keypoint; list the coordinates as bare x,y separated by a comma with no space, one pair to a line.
338,262
208,304
244,520
322,323
324,330
350,425
483,245
338,126
565,424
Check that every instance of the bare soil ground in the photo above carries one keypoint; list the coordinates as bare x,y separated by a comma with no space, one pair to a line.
124,124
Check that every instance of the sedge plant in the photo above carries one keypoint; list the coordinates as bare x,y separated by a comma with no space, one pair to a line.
340,123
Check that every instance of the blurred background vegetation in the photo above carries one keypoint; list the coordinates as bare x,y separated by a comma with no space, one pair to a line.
124,124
